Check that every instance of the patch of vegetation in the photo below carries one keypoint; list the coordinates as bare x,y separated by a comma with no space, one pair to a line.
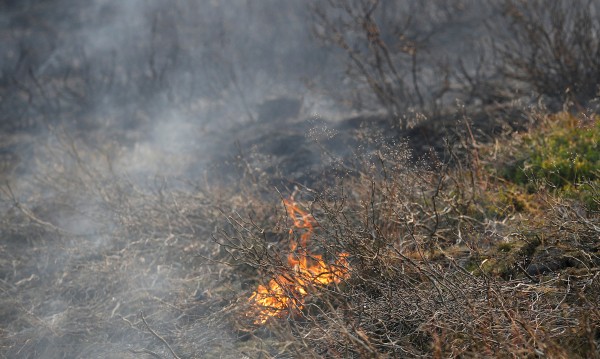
472,250
442,259
508,199
563,154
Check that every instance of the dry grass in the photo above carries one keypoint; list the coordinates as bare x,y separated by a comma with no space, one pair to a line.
97,265
445,259
433,270
100,257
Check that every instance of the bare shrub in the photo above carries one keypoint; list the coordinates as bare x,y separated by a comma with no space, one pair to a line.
418,241
386,44
553,47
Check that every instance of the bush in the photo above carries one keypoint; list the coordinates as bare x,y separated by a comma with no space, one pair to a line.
553,47
429,273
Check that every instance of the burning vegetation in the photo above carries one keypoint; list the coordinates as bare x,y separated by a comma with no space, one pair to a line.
445,259
285,293
456,214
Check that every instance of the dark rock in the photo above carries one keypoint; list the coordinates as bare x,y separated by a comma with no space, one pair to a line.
549,259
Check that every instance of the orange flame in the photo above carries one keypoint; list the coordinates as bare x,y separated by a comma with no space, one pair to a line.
286,292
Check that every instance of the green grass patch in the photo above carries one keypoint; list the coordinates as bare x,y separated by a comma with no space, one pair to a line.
563,154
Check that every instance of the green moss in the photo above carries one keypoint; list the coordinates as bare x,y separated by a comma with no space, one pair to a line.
563,154
588,193
507,200
505,258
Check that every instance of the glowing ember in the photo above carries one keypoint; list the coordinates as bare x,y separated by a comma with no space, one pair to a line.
285,293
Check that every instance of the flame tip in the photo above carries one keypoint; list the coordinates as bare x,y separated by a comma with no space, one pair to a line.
284,294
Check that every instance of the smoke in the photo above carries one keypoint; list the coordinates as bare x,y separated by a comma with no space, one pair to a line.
109,107
112,115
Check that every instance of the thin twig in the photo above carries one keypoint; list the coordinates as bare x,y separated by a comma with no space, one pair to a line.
158,336
534,280
145,351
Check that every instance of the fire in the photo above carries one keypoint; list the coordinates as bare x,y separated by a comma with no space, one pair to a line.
286,292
